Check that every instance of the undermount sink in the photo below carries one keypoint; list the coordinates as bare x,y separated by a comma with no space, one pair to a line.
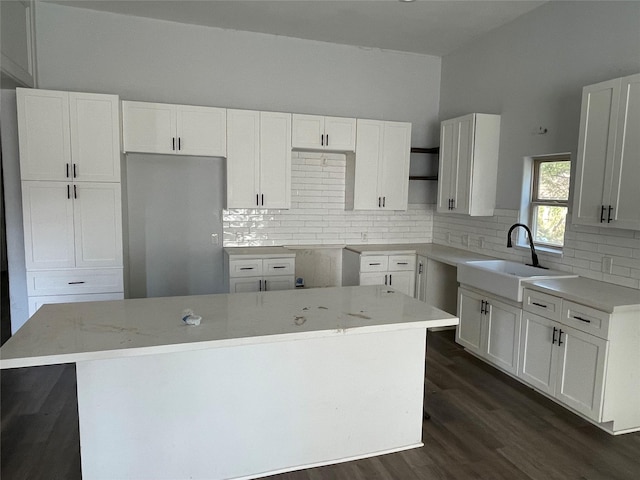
502,277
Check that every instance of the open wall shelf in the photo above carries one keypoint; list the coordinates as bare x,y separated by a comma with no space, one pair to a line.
428,151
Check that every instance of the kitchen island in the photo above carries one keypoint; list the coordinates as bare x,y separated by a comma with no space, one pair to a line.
268,382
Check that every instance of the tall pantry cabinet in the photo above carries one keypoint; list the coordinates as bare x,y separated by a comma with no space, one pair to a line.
71,196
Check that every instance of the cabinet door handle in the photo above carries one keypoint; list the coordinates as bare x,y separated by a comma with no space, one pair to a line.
75,192
68,192
263,199
482,307
379,202
74,171
322,139
419,268
553,338
560,342
179,143
586,320
265,285
260,284
75,283
538,304
385,280
67,170
390,279
257,199
453,204
384,201
609,214
486,308
602,214
173,143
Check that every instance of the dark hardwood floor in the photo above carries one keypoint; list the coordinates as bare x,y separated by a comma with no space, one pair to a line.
484,425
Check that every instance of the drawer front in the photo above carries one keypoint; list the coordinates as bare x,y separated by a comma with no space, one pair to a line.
586,319
401,263
374,263
77,281
542,304
251,267
36,302
278,266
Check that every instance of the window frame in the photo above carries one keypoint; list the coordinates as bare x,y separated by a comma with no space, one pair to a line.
535,201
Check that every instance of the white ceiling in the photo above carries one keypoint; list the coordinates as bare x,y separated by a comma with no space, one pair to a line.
424,26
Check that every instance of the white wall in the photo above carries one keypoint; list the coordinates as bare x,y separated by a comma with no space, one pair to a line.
532,70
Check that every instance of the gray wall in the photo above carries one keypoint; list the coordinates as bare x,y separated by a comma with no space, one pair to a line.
532,70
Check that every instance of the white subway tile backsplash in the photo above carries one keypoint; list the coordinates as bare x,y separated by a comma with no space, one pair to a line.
317,214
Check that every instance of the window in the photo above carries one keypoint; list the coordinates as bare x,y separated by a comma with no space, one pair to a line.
549,199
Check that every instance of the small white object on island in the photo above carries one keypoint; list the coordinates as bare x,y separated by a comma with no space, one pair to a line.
268,382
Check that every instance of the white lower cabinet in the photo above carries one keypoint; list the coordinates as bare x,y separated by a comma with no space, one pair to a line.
489,328
380,268
259,272
563,362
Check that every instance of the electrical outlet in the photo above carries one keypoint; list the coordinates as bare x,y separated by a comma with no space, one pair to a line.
214,239
480,242
607,264
465,240
364,237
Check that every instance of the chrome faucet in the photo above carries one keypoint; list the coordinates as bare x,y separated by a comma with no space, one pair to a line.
534,256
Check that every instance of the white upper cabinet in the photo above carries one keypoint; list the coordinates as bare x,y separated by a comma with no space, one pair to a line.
258,159
606,189
379,177
314,132
68,136
18,62
174,129
468,167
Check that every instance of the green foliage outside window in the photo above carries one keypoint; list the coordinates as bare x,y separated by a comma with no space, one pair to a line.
550,196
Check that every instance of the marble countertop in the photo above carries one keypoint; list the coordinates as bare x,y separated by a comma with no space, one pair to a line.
592,293
272,252
65,333
449,255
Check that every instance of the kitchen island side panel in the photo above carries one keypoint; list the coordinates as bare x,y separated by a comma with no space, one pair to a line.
251,410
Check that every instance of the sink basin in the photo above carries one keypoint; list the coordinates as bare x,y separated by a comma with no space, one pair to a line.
502,277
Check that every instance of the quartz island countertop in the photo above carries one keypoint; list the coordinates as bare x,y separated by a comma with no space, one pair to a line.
75,332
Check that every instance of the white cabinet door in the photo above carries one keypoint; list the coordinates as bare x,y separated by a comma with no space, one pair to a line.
404,282
538,352
503,334
596,146
275,160
44,136
340,134
421,279
47,210
580,374
201,131
625,190
367,164
98,224
461,185
448,152
308,132
278,282
245,284
243,158
373,278
470,333
149,127
95,137
393,181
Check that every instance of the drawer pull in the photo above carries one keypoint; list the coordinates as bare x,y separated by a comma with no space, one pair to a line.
375,263
280,266
403,263
582,319
75,283
538,304
247,268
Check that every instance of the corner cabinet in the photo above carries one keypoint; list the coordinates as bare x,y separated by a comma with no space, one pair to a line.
467,174
258,159
174,129
378,179
71,196
315,132
608,163
490,328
